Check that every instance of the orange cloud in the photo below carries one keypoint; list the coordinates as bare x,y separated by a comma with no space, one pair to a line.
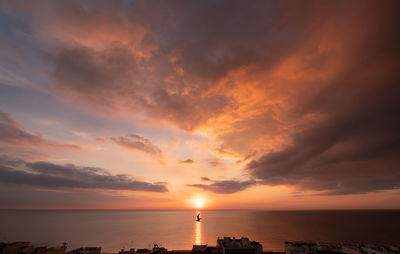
289,86
187,161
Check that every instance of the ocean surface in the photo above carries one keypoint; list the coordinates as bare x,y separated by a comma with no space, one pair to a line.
113,230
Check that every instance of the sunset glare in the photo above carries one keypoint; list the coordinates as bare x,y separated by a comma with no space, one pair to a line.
198,202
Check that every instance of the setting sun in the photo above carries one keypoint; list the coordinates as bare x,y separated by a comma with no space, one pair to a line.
198,202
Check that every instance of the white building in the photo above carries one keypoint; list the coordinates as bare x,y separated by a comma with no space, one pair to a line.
242,246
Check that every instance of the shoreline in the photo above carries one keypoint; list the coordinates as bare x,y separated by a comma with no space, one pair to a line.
224,245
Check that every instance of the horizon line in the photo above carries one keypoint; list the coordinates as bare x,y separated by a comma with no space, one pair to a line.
216,209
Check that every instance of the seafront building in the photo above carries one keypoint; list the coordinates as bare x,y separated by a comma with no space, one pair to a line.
159,250
199,248
26,248
243,245
86,250
130,251
340,248
225,245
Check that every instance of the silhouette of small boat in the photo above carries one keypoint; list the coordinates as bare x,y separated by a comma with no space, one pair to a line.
198,217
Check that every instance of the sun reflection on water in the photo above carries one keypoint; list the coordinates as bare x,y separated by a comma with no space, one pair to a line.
197,231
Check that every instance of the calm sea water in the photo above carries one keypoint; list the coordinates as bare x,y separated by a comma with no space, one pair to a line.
113,230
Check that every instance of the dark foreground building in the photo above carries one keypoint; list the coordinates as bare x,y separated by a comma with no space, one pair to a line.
239,246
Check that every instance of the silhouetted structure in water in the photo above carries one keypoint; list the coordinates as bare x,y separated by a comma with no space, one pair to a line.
198,217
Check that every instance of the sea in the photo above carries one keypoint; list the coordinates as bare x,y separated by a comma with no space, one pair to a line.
178,230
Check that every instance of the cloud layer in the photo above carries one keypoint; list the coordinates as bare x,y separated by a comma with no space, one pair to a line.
138,143
348,141
12,134
301,94
49,175
352,149
224,186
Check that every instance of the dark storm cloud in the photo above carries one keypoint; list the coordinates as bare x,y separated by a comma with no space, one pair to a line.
225,186
353,150
101,76
164,57
138,143
112,79
354,146
52,176
235,33
12,134
31,197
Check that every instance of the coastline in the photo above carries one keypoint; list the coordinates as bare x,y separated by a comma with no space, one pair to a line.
226,245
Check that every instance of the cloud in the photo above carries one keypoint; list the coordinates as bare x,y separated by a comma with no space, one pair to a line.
306,91
225,186
348,140
138,143
187,161
69,176
215,162
161,58
30,197
12,134
125,83
353,149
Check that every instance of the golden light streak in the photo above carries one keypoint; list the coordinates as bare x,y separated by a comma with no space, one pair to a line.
197,231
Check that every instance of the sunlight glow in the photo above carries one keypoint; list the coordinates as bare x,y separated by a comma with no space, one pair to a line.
198,202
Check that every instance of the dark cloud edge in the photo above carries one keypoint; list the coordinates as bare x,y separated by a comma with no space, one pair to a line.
70,176
224,186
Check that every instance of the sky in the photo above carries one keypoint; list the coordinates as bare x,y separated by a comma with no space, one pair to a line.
219,104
